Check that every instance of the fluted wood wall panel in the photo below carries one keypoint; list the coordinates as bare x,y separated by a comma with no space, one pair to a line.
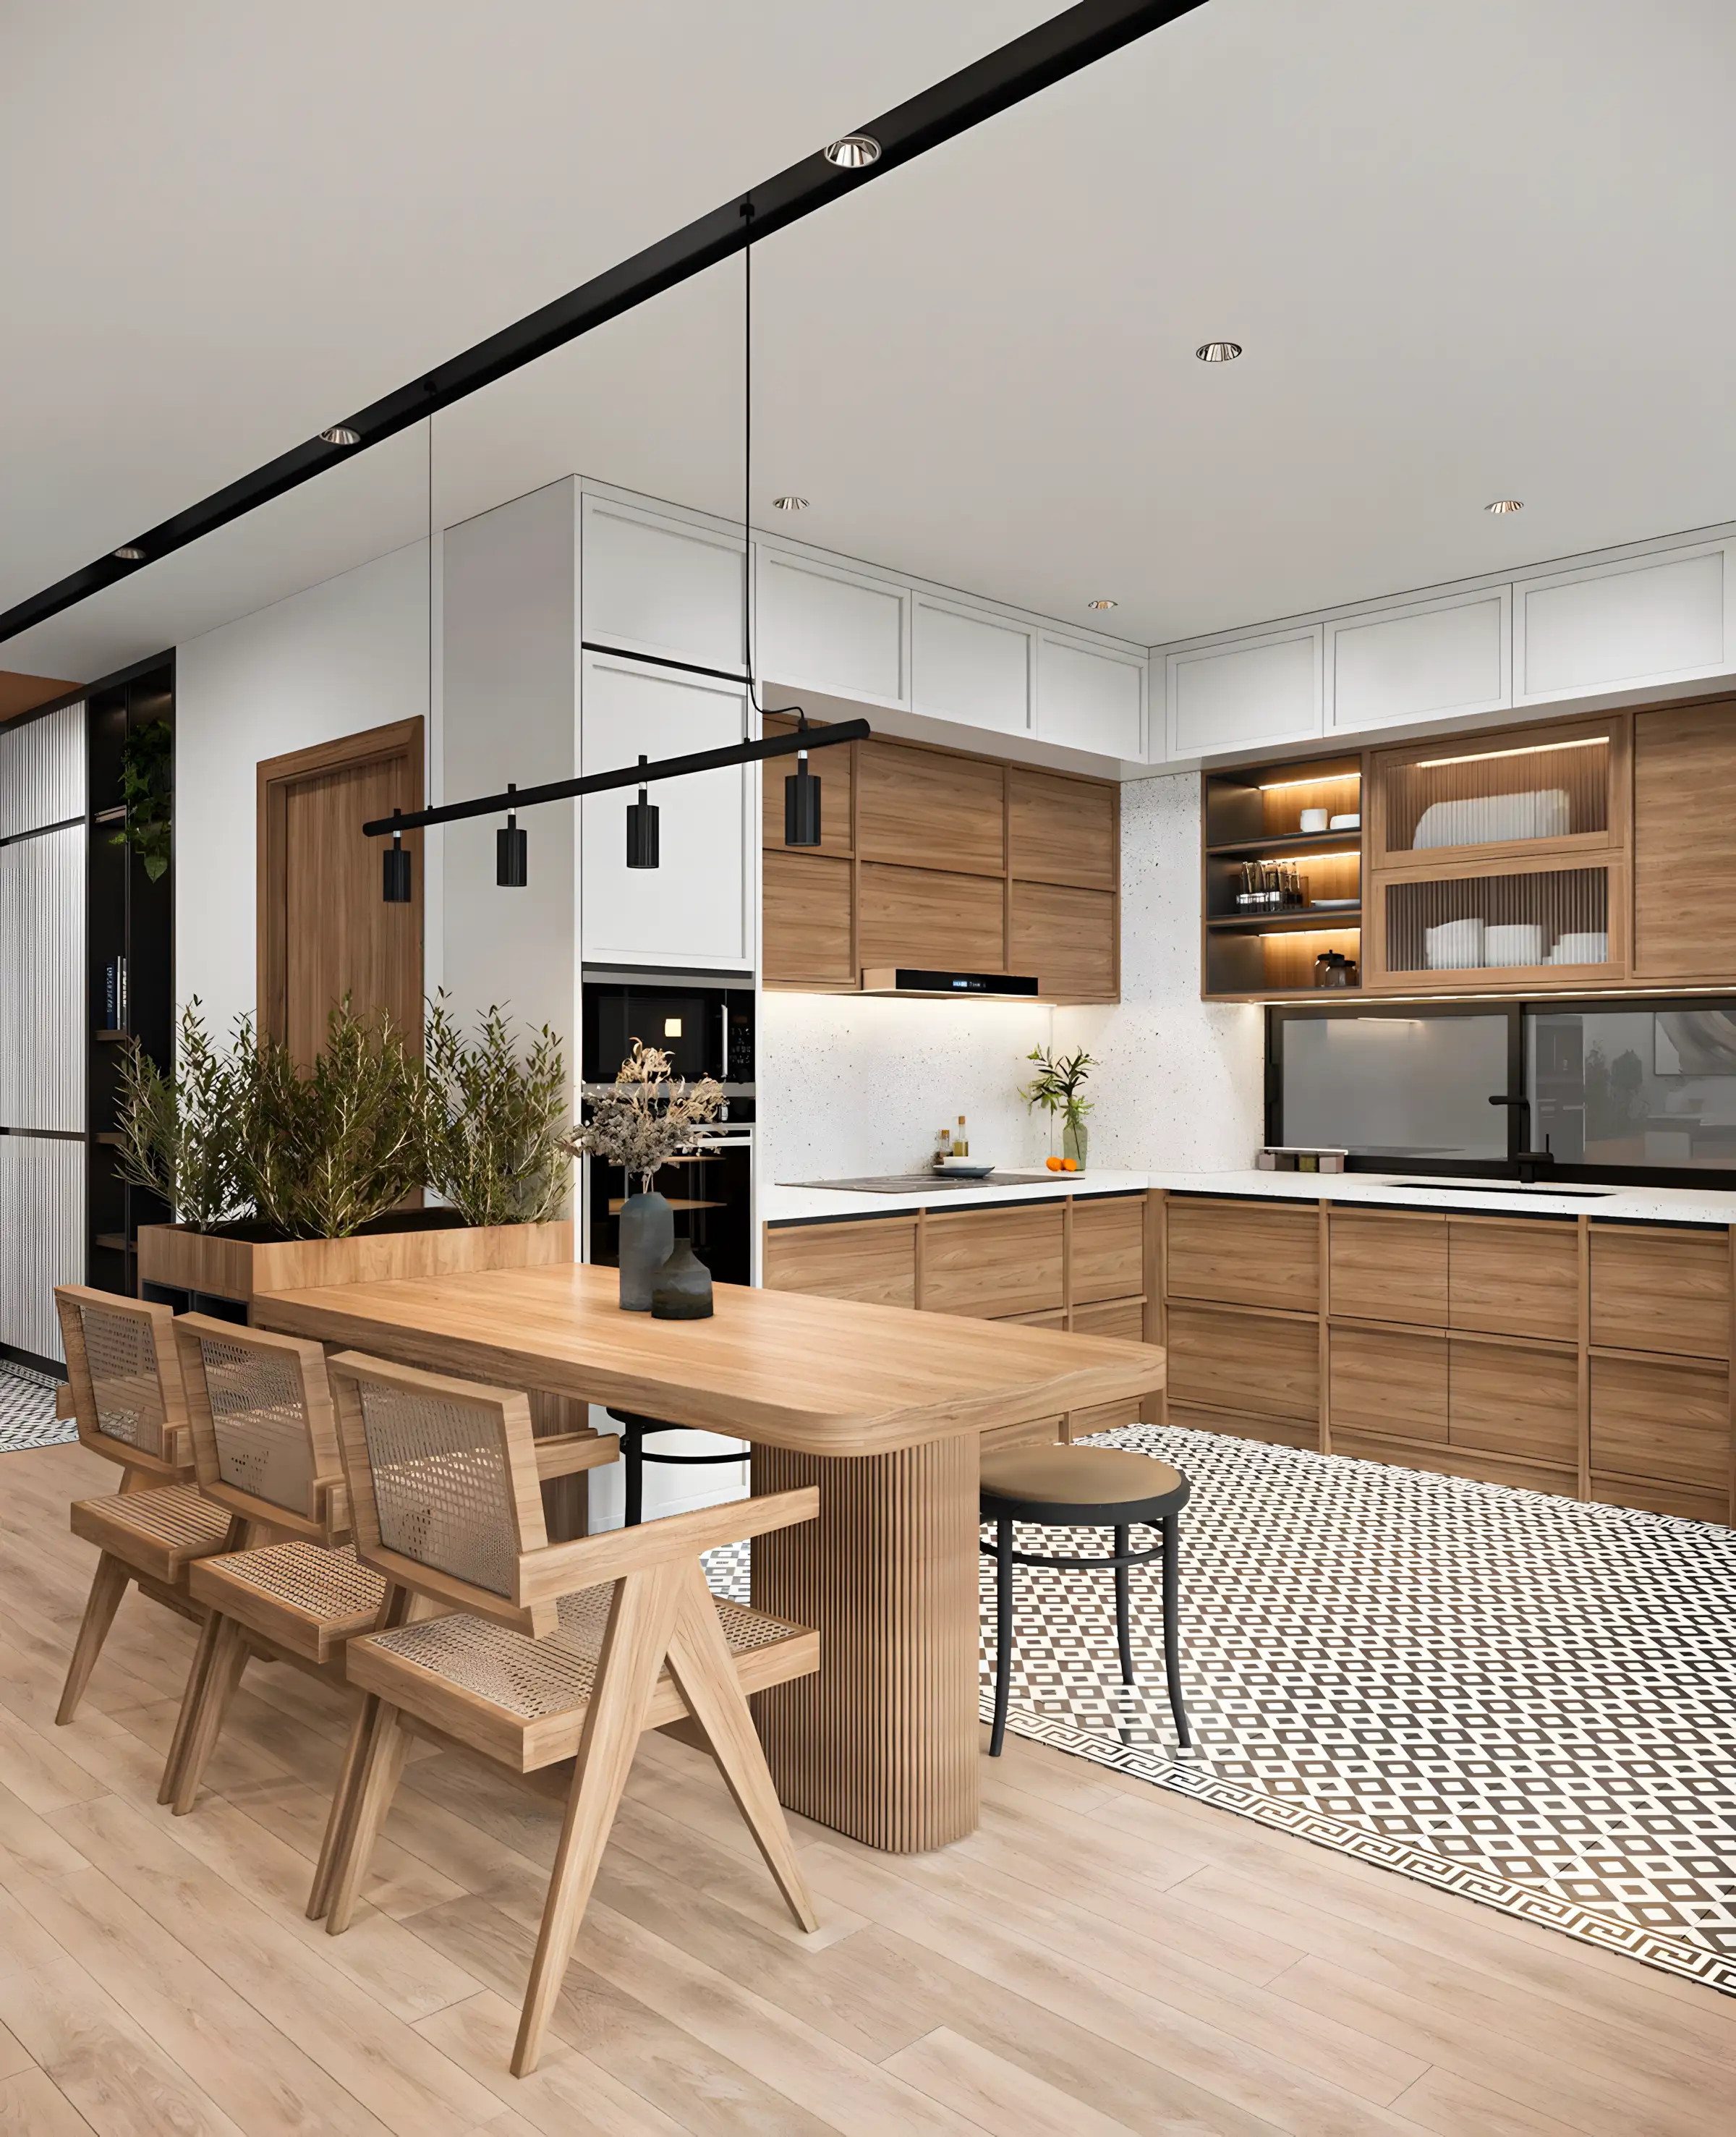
43,772
889,1576
42,1023
42,1236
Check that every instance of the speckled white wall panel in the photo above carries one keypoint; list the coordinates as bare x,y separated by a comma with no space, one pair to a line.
1181,1082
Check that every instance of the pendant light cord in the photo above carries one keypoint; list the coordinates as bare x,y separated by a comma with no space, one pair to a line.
748,603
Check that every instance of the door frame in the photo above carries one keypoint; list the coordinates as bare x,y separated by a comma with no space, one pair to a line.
275,776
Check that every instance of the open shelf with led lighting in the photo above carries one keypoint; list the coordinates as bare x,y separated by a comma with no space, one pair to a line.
1281,903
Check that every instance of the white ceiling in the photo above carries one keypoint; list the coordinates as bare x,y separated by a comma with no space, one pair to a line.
1472,251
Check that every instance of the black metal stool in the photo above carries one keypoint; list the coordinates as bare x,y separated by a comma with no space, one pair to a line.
1078,1487
635,1454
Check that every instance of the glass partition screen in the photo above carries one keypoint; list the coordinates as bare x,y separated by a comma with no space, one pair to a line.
1408,1090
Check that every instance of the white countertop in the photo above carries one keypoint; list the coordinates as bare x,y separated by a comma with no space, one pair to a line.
1653,1205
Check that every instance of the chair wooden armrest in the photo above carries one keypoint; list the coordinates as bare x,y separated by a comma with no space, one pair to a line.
565,1453
563,1568
331,1506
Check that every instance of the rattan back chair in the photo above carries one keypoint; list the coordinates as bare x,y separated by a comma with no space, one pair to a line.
550,1660
130,1407
265,1450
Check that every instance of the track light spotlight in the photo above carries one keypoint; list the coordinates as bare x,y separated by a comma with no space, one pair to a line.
396,887
642,831
801,802
512,850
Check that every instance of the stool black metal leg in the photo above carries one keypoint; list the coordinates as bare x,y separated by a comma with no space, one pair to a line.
1122,1635
1172,1635
633,1455
1002,1631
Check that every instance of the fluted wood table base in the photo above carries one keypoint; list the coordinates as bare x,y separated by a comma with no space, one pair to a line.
882,1744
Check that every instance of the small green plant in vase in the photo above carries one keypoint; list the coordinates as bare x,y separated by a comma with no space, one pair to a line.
1056,1088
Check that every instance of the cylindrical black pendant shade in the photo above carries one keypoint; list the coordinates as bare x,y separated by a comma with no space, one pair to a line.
642,832
396,886
511,856
801,805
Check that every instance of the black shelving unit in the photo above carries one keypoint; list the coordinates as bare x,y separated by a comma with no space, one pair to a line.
129,917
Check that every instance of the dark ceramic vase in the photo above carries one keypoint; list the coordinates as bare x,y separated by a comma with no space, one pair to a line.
683,1290
648,1233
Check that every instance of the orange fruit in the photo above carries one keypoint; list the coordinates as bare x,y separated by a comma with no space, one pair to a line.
1069,1164
1052,1163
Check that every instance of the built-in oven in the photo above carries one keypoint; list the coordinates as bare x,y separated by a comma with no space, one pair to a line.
706,1026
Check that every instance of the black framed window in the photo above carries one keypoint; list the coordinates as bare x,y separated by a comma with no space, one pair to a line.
1637,1091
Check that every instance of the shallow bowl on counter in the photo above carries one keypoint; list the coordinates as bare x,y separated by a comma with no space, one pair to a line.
966,1168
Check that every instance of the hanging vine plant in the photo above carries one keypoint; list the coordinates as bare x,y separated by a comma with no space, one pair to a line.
147,788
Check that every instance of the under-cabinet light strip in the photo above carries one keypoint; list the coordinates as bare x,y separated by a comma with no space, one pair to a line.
1295,860
1531,749
1320,779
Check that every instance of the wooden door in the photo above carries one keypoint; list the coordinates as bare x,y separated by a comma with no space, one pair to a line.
324,929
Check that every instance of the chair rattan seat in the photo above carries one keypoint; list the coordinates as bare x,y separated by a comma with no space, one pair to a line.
157,1533
302,1596
537,1689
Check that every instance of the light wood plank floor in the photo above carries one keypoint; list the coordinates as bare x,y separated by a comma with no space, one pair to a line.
1100,1958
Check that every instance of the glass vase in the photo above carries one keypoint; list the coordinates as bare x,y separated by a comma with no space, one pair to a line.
1075,1139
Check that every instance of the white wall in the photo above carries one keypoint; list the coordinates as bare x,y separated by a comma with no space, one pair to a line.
1180,1084
350,654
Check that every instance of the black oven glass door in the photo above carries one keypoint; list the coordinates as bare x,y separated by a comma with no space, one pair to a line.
711,1193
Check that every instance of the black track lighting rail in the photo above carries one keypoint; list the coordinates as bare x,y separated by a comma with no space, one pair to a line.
628,774
1047,54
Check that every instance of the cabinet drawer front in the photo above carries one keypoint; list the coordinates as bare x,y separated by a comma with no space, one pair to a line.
1274,1431
1061,830
1653,1290
1509,1401
804,920
912,916
875,1263
1388,1268
914,808
1387,1383
1458,1462
1666,1422
993,1264
1244,1253
1244,1361
1109,1247
1122,1318
1514,1279
1066,937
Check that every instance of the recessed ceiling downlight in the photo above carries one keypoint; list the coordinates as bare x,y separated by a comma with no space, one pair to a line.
790,502
1219,351
340,434
1103,604
855,152
1505,505
128,554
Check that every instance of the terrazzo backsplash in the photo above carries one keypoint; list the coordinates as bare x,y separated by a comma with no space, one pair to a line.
852,1084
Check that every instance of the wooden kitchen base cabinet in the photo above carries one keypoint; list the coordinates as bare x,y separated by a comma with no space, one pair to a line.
1514,1277
1388,1381
1661,1294
996,1262
874,1261
1389,1266
1504,1398
1663,1421
1243,1253
1254,1362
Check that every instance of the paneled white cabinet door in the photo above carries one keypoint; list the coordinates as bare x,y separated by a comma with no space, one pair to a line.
1429,660
820,628
661,586
1090,698
1660,619
695,908
1247,695
972,668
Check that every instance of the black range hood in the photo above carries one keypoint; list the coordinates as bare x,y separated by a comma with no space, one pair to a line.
913,979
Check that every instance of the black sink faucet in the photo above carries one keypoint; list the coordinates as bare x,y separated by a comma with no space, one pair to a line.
1529,1160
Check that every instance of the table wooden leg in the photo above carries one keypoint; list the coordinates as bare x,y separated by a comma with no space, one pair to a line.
882,1744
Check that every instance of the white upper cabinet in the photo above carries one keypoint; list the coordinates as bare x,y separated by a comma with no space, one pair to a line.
661,585
972,666
694,909
1429,660
819,627
1664,618
1091,697
1246,695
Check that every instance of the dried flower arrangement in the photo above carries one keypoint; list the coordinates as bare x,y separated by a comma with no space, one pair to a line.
647,1118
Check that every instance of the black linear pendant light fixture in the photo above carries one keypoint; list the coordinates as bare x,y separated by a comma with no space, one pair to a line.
642,834
511,849
395,889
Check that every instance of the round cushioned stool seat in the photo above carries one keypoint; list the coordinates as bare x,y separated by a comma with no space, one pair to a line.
1110,1482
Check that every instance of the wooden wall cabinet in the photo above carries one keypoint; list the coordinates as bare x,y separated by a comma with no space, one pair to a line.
1684,842
937,859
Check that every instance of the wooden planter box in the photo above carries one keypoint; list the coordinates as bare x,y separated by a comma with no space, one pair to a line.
217,1265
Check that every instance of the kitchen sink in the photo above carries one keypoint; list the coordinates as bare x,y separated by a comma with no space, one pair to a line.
1501,1187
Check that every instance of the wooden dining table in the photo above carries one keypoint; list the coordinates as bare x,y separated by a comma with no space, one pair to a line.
880,1406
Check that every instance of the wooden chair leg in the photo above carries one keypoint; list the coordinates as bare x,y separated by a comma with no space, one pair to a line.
343,1798
705,1675
382,1767
641,1619
222,1674
107,1587
196,1680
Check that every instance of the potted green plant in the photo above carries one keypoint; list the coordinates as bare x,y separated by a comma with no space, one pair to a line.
1056,1088
283,1176
646,1120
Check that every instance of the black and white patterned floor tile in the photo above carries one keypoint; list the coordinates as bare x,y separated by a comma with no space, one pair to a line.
1515,1697
27,1411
